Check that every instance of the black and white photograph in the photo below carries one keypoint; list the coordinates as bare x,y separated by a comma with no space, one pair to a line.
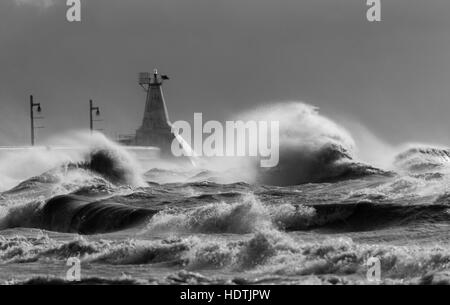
225,144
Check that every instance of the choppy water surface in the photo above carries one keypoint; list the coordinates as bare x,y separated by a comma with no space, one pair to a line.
196,225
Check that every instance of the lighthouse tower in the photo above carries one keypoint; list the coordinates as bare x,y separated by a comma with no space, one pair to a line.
156,127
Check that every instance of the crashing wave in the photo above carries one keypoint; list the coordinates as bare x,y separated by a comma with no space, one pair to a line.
312,148
80,215
268,252
422,159
95,153
75,214
328,163
249,215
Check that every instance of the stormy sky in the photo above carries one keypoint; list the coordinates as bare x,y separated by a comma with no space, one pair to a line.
226,56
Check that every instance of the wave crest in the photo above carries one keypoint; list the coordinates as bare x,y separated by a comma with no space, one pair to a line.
423,159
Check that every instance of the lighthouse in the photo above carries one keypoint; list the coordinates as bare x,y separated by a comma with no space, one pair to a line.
156,127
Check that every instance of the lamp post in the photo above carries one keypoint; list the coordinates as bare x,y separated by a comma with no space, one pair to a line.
91,119
32,118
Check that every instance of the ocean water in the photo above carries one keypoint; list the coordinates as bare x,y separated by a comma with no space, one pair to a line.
315,219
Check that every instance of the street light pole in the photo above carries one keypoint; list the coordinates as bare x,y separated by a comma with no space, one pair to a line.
91,119
32,105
